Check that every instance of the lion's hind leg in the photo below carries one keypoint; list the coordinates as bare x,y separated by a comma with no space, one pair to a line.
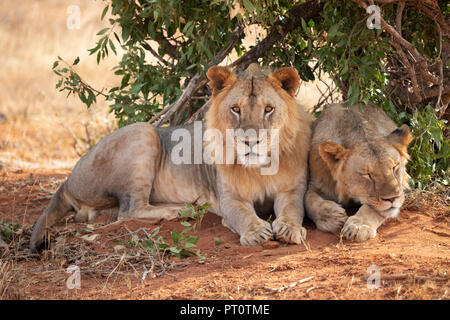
135,204
327,215
156,212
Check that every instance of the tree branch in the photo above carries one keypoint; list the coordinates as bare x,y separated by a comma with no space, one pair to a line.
419,59
156,55
398,20
431,85
280,28
197,81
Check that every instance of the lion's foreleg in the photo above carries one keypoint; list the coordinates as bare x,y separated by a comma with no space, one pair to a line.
363,225
240,217
328,215
289,211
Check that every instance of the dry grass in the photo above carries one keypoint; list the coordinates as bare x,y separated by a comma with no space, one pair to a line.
20,270
435,198
40,121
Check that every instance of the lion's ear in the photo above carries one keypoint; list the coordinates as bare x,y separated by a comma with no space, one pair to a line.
332,153
219,78
400,138
288,78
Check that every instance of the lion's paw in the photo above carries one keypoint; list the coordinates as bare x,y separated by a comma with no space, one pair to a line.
332,217
257,233
287,231
86,214
356,229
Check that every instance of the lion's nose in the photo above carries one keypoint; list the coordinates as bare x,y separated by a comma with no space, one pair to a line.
252,143
391,199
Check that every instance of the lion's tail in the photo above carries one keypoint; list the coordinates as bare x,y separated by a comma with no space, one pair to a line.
55,211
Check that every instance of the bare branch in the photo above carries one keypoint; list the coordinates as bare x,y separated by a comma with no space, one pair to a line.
419,59
197,81
157,56
431,84
280,28
398,20
409,67
198,114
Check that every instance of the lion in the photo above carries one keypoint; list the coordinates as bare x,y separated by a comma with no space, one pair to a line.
132,168
358,156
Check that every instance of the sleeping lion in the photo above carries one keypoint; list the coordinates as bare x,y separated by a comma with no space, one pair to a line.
357,155
137,168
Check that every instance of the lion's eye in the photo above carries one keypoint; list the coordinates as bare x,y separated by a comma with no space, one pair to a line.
236,109
368,176
396,167
268,109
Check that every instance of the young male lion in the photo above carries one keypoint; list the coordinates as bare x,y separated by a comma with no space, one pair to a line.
357,155
134,168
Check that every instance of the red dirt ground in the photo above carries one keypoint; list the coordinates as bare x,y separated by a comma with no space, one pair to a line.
416,244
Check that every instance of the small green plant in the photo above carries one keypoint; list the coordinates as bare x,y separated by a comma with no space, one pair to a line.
195,212
181,244
7,230
217,241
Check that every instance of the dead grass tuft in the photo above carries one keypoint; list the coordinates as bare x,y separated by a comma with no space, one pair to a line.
100,259
435,201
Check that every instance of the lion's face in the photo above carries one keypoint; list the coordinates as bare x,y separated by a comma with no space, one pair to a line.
255,108
372,173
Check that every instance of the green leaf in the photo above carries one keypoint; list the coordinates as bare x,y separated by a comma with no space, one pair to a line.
76,61
125,80
192,239
304,26
175,251
113,48
175,236
104,12
353,94
248,6
103,31
189,245
217,241
151,30
185,224
136,88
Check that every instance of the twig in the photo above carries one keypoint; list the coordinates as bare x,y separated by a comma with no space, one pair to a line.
290,286
404,276
409,67
4,245
312,288
43,198
157,56
199,112
130,233
441,234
